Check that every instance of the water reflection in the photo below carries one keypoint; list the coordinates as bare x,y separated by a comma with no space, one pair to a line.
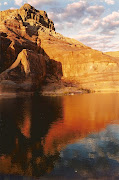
24,124
94,157
82,115
35,130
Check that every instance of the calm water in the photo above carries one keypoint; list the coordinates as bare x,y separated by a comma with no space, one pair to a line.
70,137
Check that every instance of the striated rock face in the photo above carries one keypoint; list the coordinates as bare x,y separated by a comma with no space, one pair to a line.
91,69
32,53
113,53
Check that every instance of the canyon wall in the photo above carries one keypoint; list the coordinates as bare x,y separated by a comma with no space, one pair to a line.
32,53
113,53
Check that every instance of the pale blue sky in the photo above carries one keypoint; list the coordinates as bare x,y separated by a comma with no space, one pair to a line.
93,22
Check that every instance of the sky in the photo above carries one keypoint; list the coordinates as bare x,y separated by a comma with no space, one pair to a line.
95,23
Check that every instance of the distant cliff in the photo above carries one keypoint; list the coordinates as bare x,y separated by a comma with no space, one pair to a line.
113,53
34,56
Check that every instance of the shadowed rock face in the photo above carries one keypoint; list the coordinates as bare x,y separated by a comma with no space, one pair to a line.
30,31
28,72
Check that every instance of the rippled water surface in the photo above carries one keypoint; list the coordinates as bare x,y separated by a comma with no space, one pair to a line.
69,137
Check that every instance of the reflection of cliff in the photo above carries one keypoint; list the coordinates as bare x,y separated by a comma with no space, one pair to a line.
27,161
83,115
39,127
24,123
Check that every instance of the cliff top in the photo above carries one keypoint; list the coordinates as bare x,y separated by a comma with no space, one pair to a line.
28,14
29,21
27,6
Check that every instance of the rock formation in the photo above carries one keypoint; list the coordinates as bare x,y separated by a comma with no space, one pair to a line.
32,53
113,53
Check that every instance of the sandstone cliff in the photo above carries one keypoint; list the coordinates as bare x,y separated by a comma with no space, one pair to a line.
32,54
113,53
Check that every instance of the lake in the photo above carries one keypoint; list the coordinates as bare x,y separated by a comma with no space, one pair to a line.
68,137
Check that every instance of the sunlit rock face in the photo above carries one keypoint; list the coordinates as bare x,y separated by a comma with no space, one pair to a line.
90,68
113,53
65,58
27,15
16,28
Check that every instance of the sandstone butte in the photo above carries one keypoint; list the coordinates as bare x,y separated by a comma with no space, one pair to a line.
33,56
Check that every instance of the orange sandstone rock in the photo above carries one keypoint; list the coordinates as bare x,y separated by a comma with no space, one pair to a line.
63,58
113,53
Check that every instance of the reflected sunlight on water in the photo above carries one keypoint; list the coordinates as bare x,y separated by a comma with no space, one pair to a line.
82,115
37,134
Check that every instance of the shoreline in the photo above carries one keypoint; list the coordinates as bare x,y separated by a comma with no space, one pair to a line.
51,93
55,88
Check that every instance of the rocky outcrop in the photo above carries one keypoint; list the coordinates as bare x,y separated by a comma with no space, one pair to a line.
29,16
28,36
24,72
28,72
